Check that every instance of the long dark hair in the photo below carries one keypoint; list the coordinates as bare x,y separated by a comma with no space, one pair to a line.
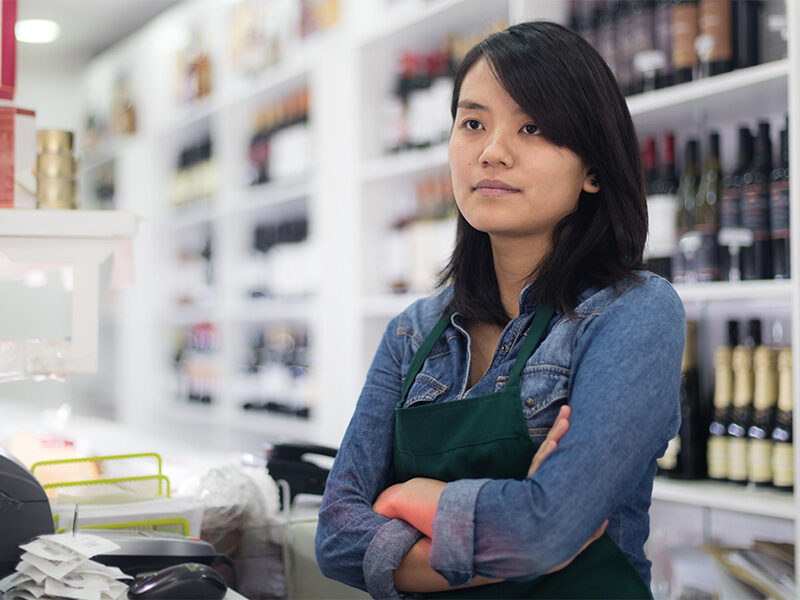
556,77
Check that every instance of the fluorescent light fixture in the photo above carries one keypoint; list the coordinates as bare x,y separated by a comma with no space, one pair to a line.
37,31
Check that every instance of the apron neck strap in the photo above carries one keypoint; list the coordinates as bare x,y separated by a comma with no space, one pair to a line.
535,333
422,353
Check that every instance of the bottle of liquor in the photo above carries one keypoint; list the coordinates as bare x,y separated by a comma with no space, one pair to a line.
624,32
706,220
782,437
765,396
742,407
779,210
663,41
684,34
730,198
661,191
642,39
694,424
717,452
715,21
757,259
746,39
687,193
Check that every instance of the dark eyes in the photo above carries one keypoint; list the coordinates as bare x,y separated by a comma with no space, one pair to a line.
474,125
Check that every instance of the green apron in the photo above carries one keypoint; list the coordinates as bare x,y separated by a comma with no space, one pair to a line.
487,436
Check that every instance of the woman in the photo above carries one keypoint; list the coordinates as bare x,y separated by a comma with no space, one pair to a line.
544,321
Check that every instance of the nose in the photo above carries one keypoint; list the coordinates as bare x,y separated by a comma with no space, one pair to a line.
497,152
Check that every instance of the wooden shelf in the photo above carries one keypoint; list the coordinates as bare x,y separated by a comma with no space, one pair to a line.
726,496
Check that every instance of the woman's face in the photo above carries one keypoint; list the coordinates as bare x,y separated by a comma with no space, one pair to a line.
493,140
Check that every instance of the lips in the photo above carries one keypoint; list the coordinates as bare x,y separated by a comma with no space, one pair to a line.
494,184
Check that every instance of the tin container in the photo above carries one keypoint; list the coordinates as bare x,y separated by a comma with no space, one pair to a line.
54,141
56,192
56,165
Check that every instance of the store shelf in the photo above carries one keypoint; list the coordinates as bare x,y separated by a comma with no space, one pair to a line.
726,496
278,309
271,195
188,217
387,305
405,164
682,106
193,113
274,81
717,291
189,315
72,224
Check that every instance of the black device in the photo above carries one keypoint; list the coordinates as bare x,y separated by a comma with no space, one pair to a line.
146,551
288,462
186,581
24,510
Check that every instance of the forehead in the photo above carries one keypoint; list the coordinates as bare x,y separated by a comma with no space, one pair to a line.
481,89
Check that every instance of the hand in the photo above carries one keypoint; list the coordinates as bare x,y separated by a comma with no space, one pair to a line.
596,535
387,500
414,502
550,443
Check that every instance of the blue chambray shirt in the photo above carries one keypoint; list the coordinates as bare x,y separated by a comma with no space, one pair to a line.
617,363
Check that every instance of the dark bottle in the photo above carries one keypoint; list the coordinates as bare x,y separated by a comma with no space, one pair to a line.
779,211
624,32
730,197
662,204
757,259
759,434
642,39
717,449
684,34
742,361
782,436
706,220
606,16
773,30
649,166
687,193
715,20
663,40
746,39
693,432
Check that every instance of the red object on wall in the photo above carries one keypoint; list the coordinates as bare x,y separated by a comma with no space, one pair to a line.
8,50
7,115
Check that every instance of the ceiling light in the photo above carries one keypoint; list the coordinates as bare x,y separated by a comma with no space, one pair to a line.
37,31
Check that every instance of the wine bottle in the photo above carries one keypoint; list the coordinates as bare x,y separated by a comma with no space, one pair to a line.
731,194
684,34
765,396
782,437
642,40
742,362
694,427
779,210
687,193
661,191
757,259
715,20
717,453
707,214
663,41
746,39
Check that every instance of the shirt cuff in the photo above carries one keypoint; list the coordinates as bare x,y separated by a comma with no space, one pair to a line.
452,546
384,554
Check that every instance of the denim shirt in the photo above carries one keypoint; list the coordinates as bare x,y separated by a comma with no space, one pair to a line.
616,362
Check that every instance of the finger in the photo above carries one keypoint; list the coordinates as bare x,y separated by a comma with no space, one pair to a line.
557,430
601,531
543,452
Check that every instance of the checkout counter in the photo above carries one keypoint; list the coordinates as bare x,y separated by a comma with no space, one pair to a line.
303,577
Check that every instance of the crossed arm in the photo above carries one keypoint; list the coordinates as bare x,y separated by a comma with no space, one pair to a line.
415,501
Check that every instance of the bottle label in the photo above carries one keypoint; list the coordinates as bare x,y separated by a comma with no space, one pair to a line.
783,465
669,462
707,260
759,461
779,209
755,210
684,33
715,20
737,459
729,215
718,457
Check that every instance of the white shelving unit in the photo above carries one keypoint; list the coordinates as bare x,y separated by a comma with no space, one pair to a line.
347,196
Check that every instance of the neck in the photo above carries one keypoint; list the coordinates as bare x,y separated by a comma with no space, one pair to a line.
514,261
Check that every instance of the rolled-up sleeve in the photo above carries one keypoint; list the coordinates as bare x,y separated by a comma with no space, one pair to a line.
624,390
354,544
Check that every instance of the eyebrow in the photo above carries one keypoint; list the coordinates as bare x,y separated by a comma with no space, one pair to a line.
472,105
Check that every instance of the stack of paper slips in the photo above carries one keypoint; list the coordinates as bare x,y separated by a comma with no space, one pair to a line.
60,566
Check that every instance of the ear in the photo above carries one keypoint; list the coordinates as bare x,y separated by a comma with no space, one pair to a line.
591,184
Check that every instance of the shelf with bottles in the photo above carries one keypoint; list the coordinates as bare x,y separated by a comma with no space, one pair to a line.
273,374
274,196
735,437
726,496
410,163
193,283
412,228
194,180
196,371
409,104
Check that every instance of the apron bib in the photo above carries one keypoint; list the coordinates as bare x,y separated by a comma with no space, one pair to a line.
487,437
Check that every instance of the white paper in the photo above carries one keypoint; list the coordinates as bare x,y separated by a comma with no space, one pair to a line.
12,580
82,543
53,587
36,574
53,569
84,580
36,590
40,548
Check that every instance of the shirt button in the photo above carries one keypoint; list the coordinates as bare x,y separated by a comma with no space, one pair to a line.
529,401
503,348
